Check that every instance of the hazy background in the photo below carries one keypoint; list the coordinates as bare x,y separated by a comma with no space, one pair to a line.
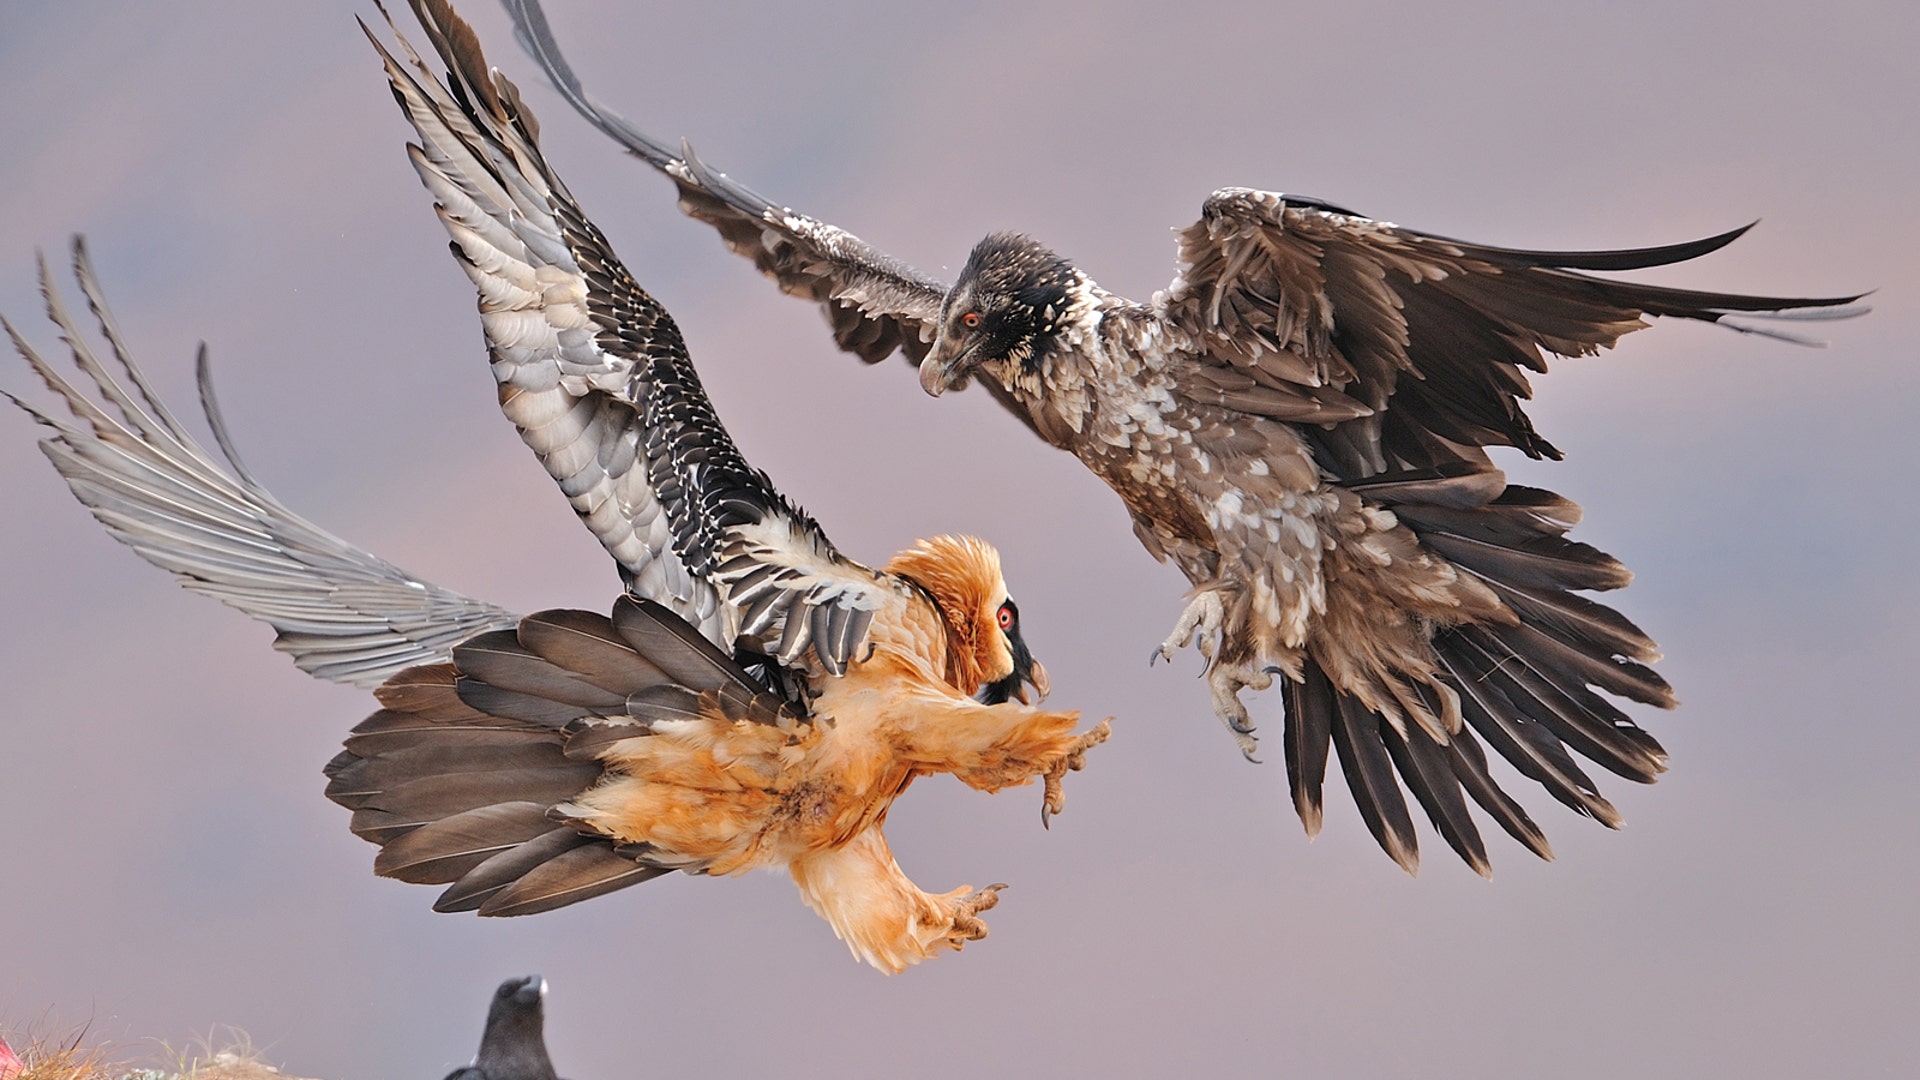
167,862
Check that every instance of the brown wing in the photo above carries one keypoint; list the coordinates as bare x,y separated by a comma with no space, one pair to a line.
1298,298
1299,310
875,303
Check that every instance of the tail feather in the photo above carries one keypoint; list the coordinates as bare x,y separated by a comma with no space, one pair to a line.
1470,768
479,884
1527,744
1369,772
1309,730
1427,767
1577,716
580,874
1537,691
443,851
462,776
499,660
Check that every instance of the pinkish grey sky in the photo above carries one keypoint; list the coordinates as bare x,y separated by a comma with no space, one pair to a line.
167,862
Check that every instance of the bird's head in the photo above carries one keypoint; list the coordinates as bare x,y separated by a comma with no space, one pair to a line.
513,1043
985,653
1002,315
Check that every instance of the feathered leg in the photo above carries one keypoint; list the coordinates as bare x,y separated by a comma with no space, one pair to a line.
885,919
990,747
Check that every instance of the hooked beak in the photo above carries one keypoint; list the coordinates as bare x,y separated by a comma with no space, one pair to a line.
1036,677
940,372
1027,672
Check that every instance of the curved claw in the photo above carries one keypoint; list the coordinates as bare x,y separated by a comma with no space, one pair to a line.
1053,798
965,914
1226,683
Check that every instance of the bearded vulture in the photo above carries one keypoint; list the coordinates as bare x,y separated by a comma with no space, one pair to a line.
1299,422
755,698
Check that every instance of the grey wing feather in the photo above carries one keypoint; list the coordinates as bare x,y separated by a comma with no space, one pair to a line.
595,374
343,614
876,304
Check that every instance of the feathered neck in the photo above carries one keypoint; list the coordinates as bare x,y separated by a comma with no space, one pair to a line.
962,575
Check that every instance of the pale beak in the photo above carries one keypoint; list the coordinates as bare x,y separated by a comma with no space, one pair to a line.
1037,677
937,373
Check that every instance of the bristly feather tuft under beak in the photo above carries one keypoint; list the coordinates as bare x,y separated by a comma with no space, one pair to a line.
1027,672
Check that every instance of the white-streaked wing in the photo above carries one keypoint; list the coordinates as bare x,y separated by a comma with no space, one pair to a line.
343,614
594,373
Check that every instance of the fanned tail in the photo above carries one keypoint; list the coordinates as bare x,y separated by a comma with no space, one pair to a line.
1536,692
463,774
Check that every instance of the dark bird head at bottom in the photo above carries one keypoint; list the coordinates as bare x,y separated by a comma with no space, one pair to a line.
1003,314
513,1046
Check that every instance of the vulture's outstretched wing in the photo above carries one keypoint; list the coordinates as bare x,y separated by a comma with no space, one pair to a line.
875,303
342,613
1295,302
595,375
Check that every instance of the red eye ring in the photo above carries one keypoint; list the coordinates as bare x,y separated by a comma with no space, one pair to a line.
1006,618
971,320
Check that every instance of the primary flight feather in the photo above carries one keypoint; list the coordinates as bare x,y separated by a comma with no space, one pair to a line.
1299,422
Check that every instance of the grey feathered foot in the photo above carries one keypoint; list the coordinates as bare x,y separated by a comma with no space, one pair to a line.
1202,619
1054,799
1226,681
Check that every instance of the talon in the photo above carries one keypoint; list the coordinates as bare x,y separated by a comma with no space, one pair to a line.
1227,681
1247,745
966,925
1053,797
1202,618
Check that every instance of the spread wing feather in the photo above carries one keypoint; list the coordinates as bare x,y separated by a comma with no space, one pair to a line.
876,304
462,777
342,613
596,376
1433,335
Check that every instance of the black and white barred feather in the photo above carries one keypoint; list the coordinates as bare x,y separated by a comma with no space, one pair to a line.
596,375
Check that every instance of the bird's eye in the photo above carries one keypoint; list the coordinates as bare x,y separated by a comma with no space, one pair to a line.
971,320
1006,616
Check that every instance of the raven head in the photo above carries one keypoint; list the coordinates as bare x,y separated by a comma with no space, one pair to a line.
1002,315
513,1046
